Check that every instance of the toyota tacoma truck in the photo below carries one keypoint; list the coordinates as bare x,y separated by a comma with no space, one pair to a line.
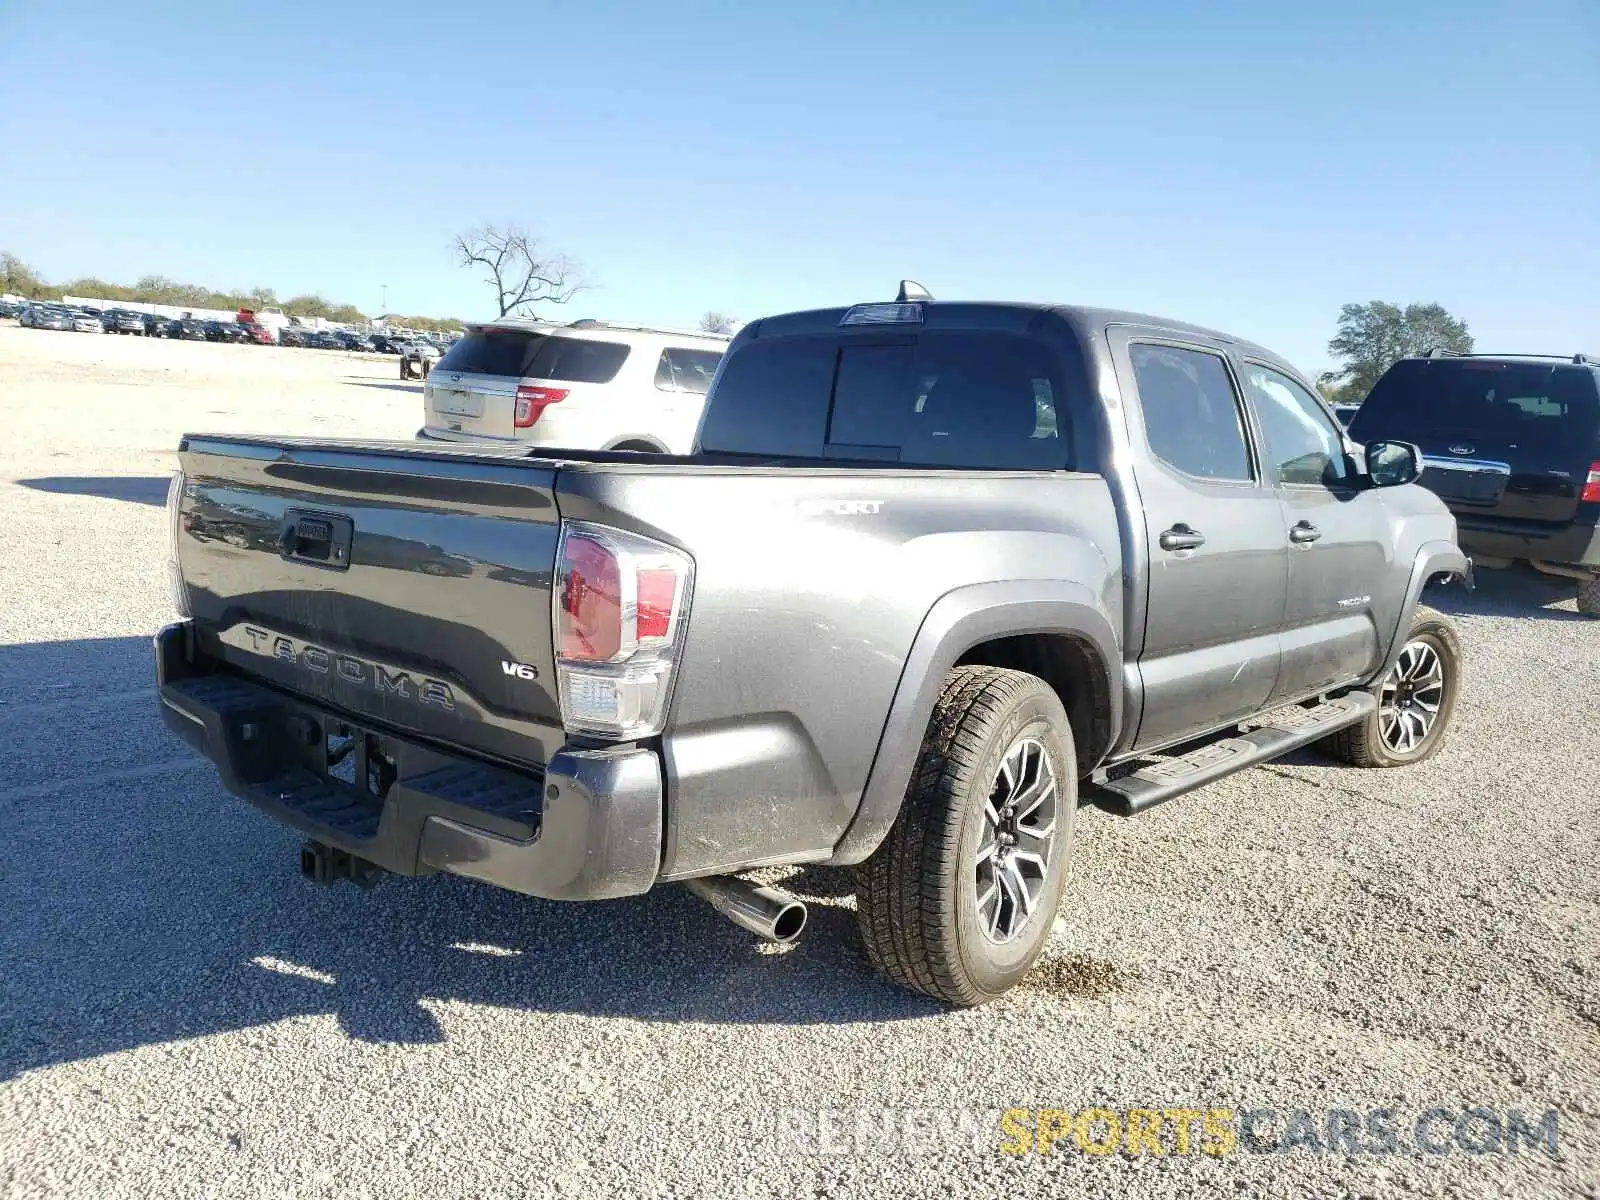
935,575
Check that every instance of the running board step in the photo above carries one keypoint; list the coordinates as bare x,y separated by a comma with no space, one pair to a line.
1285,730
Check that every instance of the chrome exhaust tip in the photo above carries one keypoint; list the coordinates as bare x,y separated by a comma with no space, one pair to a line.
765,912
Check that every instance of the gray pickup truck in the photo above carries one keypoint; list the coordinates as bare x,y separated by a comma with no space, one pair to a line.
938,574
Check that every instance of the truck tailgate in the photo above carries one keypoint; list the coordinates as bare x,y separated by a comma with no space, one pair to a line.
406,586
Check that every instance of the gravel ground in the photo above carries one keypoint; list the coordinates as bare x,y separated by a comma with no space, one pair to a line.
182,1014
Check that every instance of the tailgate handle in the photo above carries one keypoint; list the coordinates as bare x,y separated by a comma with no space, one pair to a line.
322,541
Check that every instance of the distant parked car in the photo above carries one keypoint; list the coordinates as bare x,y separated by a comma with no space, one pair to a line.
122,320
8,309
186,327
49,316
259,334
154,325
85,321
225,331
292,335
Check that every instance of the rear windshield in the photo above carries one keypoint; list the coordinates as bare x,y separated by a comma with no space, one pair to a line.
1550,406
941,398
496,352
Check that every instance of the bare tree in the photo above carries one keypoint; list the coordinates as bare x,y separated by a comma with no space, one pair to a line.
519,270
717,322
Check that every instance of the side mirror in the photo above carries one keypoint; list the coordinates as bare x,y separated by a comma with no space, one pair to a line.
1390,464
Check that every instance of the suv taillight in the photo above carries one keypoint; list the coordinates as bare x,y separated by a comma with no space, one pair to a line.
621,605
1591,486
532,401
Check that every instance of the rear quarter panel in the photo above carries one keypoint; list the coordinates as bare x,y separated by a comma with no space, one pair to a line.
810,587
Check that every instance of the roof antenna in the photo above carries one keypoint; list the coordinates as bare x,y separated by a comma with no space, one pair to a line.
911,290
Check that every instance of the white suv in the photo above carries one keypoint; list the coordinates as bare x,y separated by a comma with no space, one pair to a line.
589,385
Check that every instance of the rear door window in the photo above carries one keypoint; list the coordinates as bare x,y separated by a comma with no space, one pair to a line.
492,352
1191,412
577,360
683,370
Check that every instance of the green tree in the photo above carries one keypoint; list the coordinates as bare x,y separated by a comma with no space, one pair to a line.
18,278
1372,337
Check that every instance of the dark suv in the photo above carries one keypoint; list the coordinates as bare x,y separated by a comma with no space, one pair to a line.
1512,444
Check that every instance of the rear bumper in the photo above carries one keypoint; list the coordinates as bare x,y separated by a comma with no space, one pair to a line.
589,827
1577,544
435,433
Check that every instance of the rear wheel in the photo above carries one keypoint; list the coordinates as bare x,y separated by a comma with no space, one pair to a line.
959,899
1416,701
1589,596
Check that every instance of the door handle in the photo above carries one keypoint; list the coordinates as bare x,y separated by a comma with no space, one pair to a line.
1181,537
1304,533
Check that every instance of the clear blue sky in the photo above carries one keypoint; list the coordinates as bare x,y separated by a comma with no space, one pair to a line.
1246,165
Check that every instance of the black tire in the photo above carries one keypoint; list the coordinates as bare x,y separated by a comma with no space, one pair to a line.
1589,596
1363,744
917,896
637,448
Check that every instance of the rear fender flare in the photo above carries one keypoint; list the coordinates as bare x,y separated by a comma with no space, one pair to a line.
957,622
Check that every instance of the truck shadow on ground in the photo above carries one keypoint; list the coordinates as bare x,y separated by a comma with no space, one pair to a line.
136,489
141,904
1516,591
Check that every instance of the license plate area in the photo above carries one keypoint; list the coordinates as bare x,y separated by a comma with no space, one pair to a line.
458,403
1466,483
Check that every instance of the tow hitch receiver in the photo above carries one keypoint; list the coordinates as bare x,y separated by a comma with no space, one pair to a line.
328,864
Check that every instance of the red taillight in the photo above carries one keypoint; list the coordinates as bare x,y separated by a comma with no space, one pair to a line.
590,615
1591,486
532,401
657,591
621,603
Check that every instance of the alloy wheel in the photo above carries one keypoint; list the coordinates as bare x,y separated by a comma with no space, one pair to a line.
1410,698
1019,825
